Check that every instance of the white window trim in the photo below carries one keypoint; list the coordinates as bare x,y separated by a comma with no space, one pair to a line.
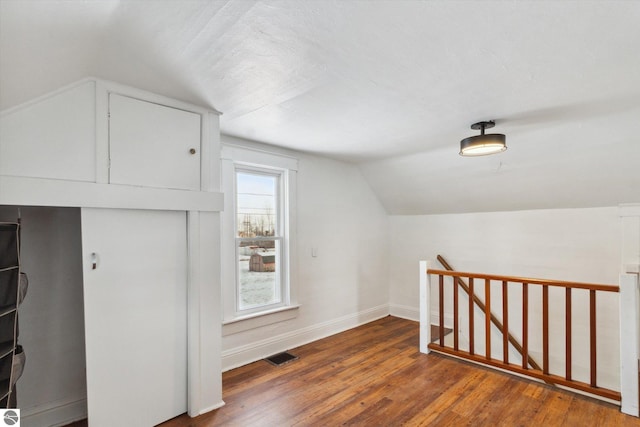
282,250
232,156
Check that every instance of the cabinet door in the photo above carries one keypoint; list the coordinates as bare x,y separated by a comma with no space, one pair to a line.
153,145
135,302
52,138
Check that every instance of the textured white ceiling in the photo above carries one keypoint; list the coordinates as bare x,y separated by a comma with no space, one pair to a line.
390,85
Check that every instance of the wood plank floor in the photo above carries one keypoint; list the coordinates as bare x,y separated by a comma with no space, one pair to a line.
374,375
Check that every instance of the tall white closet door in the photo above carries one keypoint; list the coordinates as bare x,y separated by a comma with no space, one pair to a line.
135,303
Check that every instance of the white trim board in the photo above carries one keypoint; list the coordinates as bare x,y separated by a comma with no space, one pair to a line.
412,313
254,156
210,408
114,87
448,319
54,414
405,312
52,192
249,353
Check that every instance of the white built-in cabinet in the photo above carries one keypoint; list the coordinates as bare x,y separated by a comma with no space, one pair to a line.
53,137
143,169
153,145
101,132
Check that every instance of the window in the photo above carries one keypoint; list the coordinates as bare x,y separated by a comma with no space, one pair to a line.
258,235
259,239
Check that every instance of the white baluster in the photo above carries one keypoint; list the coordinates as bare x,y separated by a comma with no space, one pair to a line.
425,314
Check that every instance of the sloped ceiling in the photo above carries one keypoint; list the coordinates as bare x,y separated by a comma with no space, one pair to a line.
389,85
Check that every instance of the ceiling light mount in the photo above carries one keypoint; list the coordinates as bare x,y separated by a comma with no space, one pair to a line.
483,144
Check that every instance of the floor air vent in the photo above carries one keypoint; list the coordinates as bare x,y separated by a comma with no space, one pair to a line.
281,358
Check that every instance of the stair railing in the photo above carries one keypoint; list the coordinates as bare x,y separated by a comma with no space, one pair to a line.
526,367
498,324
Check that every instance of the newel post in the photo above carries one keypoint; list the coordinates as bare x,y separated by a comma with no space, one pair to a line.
629,343
425,315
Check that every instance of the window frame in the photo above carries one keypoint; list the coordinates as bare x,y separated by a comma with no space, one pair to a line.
233,158
279,235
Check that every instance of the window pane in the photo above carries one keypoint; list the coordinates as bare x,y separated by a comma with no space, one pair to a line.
258,273
256,202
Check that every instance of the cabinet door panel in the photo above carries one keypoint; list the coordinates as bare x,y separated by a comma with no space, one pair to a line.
153,145
53,138
135,315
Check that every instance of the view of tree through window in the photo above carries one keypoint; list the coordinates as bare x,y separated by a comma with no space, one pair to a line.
258,238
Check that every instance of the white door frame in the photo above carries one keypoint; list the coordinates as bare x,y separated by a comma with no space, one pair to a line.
204,321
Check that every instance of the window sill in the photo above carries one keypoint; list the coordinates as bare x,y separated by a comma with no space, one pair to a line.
256,320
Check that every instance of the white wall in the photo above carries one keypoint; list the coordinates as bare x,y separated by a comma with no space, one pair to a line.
347,283
51,316
564,244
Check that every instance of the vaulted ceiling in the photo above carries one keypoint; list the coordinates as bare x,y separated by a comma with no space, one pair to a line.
389,85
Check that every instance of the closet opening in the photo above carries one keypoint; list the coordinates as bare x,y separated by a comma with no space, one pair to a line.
51,316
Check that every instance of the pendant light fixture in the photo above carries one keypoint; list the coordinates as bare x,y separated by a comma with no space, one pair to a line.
483,144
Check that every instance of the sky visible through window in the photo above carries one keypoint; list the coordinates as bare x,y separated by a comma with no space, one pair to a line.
256,204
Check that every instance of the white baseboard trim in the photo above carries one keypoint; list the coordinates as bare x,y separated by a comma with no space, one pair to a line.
413,313
448,319
212,408
55,414
405,312
249,353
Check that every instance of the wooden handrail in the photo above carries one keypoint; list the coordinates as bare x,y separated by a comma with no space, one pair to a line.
449,269
559,283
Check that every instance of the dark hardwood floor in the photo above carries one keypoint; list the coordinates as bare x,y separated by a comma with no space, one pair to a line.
374,375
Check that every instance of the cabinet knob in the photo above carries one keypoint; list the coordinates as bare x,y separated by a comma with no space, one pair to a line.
192,151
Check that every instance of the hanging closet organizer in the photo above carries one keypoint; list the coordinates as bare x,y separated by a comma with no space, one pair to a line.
13,286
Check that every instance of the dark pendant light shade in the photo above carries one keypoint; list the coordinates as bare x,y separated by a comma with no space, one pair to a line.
483,144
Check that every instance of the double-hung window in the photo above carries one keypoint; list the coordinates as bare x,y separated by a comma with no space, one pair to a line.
258,235
259,239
